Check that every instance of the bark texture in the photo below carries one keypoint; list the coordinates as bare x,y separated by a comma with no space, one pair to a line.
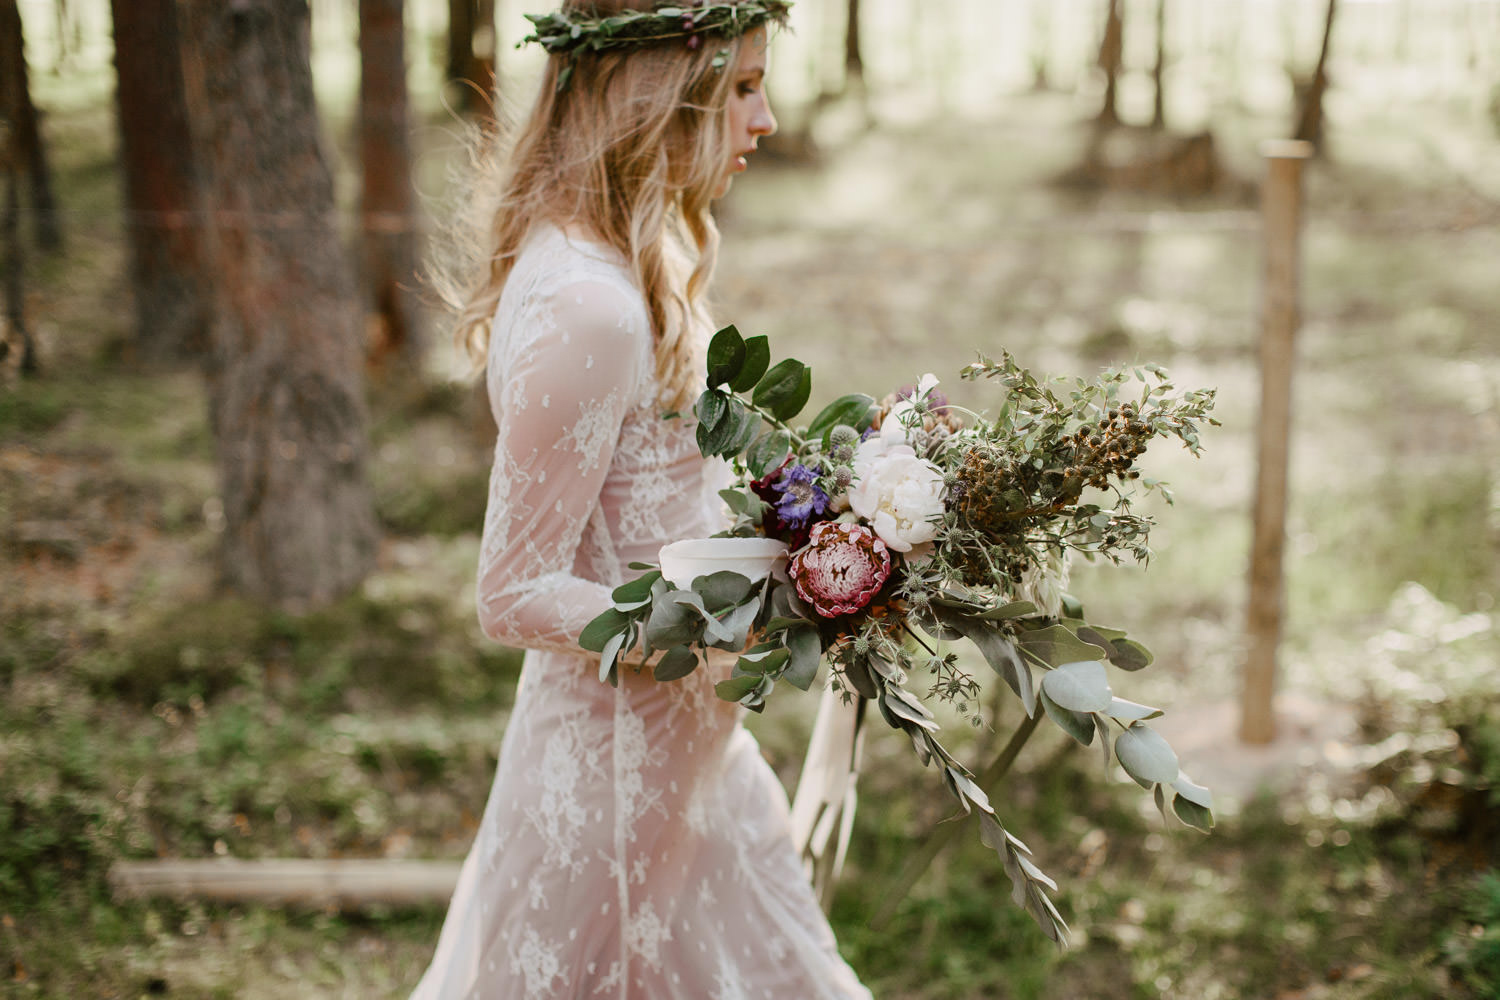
13,331
161,183
286,401
388,221
1310,111
1111,59
26,132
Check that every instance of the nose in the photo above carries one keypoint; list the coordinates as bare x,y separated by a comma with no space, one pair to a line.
763,122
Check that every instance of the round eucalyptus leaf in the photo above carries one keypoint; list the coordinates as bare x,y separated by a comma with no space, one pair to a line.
1145,756
1082,686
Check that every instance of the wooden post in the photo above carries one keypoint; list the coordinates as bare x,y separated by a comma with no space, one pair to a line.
1281,210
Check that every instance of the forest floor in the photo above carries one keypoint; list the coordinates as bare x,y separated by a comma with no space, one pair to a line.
142,714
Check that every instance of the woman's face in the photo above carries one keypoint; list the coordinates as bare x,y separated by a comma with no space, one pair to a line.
749,110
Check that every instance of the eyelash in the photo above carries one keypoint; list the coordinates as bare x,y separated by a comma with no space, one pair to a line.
747,89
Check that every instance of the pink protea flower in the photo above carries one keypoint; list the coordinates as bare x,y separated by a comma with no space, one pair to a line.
841,569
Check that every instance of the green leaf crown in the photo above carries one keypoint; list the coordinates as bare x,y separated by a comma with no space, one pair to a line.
568,33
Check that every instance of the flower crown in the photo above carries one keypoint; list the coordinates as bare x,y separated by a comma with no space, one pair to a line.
561,32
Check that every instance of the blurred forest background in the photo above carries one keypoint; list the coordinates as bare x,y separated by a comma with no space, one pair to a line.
241,487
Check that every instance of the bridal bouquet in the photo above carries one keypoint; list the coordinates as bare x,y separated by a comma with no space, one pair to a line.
879,533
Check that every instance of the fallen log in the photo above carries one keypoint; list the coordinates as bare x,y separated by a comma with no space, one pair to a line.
342,883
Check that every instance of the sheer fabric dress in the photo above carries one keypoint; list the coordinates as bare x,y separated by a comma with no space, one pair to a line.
635,843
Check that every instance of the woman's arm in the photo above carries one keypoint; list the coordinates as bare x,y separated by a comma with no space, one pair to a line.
560,385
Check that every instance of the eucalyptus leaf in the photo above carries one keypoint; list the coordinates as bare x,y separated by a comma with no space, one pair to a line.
998,651
1127,654
1131,711
858,676
676,663
736,687
636,590
1056,645
763,661
726,356
723,589
1145,756
1081,686
737,623
1079,725
806,651
1015,609
608,659
904,705
757,360
736,500
598,632
1188,789
672,623
1193,814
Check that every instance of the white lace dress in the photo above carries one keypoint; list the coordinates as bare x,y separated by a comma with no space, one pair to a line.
635,844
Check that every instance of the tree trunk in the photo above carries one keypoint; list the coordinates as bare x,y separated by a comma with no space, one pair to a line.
28,134
161,183
854,62
1159,69
10,241
1111,56
388,222
471,52
1041,46
286,400
1310,114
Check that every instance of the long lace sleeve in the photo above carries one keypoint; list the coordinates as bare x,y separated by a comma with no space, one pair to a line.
562,374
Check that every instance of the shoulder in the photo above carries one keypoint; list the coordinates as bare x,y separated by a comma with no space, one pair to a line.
575,296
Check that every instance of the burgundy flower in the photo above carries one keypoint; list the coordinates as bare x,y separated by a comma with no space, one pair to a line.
795,535
841,569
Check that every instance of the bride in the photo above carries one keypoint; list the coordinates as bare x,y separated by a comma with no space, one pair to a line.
635,843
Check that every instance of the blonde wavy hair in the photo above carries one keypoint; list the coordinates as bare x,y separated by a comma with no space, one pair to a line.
632,152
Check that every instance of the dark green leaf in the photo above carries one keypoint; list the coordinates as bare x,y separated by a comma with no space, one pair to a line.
676,663
1127,654
638,589
1193,814
736,687
769,452
1079,725
806,651
726,356
746,422
858,676
784,389
757,360
599,631
853,409
762,660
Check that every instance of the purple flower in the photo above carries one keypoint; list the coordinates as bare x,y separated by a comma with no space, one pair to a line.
801,499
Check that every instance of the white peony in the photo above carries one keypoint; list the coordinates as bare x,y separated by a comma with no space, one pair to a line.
898,493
